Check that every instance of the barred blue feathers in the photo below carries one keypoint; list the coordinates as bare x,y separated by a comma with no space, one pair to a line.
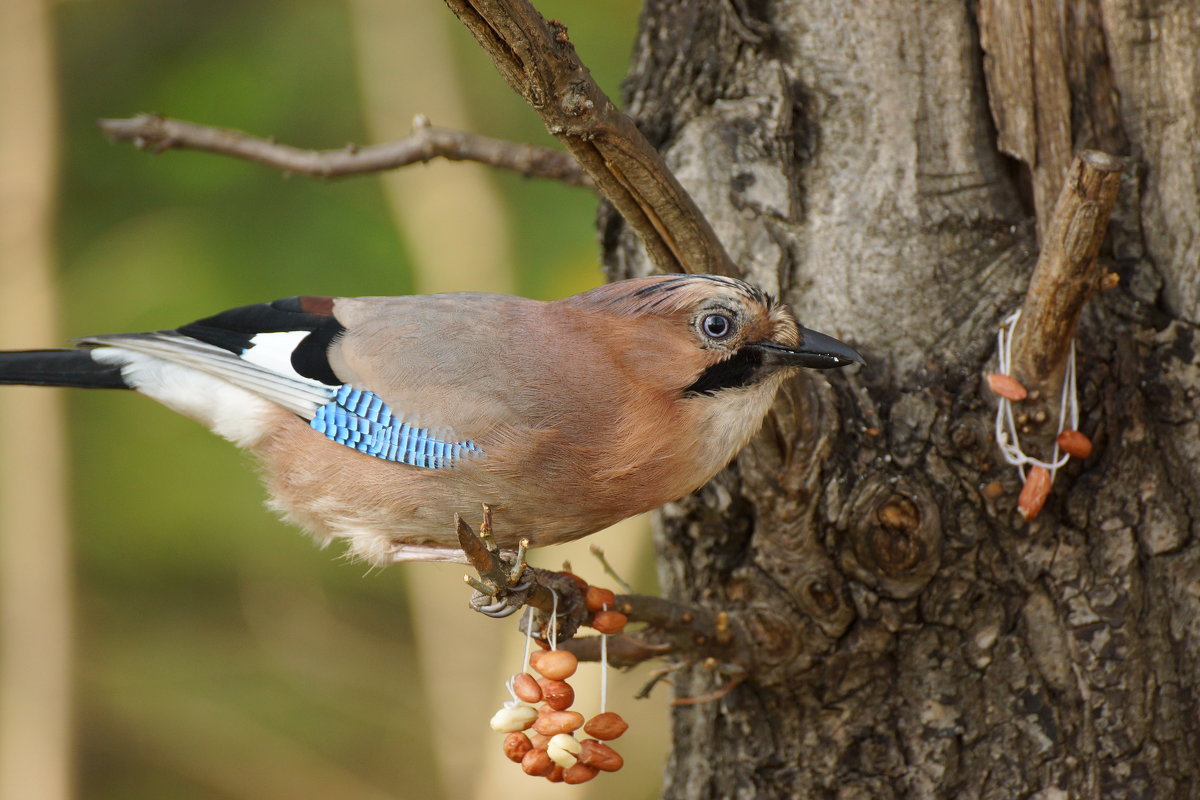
360,419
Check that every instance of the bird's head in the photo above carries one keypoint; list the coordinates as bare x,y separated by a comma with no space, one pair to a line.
700,358
721,333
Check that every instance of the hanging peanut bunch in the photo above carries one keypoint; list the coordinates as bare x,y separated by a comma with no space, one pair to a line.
543,738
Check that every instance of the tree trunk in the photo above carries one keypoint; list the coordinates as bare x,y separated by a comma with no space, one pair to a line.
886,168
36,559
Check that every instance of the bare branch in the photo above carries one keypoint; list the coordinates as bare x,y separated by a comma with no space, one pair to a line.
539,62
505,585
1066,274
691,633
624,649
157,133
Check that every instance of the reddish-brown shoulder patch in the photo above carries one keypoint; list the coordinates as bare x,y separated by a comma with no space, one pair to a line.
317,305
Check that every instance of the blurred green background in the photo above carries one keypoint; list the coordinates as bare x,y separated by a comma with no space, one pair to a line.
218,653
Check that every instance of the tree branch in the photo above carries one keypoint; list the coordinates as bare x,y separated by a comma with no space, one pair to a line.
1029,93
690,633
427,142
539,62
506,584
1066,274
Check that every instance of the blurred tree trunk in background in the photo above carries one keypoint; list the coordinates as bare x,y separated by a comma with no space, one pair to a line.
428,206
431,206
915,637
36,759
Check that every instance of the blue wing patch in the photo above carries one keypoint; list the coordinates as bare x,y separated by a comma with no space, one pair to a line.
361,420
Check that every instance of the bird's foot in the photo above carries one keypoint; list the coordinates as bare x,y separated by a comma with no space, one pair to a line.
506,583
503,586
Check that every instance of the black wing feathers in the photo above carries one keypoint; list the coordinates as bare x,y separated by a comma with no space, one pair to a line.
235,329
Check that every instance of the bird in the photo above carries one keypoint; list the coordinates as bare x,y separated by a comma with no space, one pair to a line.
376,419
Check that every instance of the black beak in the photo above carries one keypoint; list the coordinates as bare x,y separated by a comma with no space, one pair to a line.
815,351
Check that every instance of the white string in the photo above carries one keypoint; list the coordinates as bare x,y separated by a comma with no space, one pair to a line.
524,659
603,667
528,637
554,620
1006,426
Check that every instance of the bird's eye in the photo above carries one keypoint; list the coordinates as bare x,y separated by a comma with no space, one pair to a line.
716,326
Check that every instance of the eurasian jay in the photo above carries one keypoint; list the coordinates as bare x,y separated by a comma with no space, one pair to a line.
376,419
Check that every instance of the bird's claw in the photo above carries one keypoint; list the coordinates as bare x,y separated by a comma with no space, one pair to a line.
502,604
499,590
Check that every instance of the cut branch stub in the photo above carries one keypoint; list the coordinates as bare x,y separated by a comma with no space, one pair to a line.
539,62
1066,274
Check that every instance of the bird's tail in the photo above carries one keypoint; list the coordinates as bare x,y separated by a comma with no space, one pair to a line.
59,368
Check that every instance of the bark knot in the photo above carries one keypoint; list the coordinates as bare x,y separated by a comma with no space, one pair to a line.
895,536
823,597
896,545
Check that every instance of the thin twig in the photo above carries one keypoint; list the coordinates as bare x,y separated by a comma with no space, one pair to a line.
538,61
608,568
658,676
710,696
427,142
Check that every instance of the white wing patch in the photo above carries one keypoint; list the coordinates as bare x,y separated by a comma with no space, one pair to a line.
273,352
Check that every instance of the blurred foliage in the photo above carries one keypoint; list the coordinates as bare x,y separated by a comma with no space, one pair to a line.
219,651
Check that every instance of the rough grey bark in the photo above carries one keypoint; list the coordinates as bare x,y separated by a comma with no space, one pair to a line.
915,637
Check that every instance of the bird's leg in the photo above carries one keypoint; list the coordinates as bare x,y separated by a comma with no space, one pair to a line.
485,534
485,530
499,590
518,568
507,583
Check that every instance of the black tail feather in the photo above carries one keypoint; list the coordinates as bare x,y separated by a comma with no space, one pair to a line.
58,368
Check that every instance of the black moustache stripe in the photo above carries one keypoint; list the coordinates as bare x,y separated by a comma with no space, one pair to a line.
743,368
